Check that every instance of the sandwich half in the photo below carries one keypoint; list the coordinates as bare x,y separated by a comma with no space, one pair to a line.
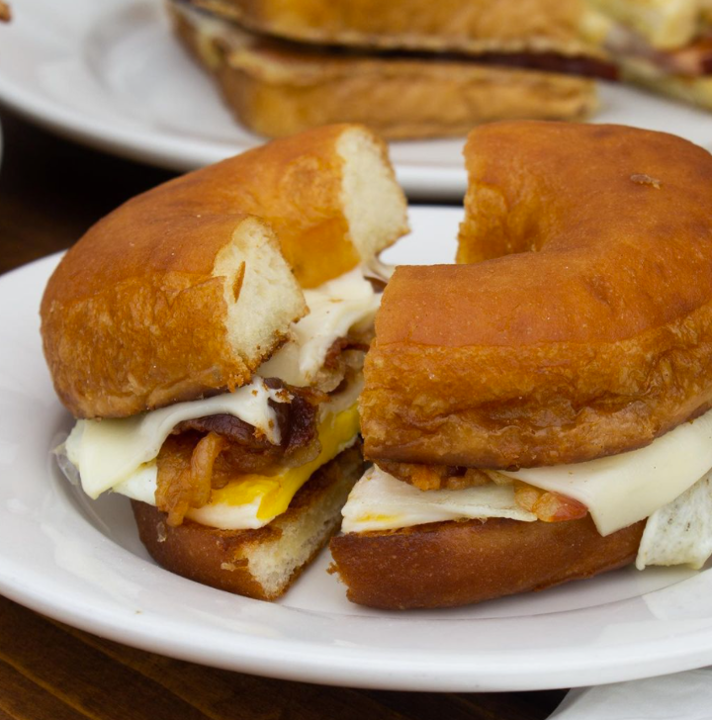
405,83
209,337
539,412
664,46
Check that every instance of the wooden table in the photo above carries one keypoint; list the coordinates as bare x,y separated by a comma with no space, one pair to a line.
51,190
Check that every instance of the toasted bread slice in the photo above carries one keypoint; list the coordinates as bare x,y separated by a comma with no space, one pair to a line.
260,563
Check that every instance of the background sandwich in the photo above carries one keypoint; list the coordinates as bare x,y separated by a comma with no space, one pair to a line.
209,334
408,69
527,409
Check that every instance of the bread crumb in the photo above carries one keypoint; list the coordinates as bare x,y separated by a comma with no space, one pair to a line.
642,179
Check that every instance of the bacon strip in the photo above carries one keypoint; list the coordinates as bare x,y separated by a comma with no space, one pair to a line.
548,506
435,477
249,451
182,485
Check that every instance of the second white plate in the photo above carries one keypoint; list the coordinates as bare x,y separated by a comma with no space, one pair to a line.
110,74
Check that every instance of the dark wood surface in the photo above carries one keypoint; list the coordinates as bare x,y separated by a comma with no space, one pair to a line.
51,190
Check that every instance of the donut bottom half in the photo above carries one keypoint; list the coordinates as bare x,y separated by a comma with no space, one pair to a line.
459,563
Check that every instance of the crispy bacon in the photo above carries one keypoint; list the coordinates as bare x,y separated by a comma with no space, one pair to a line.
249,451
552,62
548,506
185,472
339,346
344,358
435,477
228,426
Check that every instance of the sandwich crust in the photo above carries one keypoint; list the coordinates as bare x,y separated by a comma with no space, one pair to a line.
580,325
280,93
460,563
473,26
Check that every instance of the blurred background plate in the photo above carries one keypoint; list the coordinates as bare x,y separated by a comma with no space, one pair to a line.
111,75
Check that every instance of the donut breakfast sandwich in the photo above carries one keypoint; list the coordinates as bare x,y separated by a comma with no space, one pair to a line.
534,413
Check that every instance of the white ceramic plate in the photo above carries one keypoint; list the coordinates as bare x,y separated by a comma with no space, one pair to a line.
81,562
110,74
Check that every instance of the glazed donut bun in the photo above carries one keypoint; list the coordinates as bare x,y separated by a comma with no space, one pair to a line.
178,293
210,335
579,322
526,408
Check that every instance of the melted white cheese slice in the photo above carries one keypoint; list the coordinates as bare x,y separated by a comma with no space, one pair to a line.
334,308
623,489
379,501
106,452
681,532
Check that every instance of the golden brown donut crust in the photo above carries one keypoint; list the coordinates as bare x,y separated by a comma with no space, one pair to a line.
460,563
593,344
133,317
295,184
